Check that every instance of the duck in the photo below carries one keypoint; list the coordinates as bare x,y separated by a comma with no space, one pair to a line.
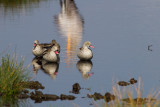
85,53
52,54
54,42
38,48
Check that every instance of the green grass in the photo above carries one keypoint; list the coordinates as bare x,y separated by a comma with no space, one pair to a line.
12,73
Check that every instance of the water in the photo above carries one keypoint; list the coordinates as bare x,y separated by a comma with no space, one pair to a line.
121,32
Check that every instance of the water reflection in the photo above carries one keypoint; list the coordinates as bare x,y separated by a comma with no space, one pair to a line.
84,68
50,68
70,25
18,6
36,65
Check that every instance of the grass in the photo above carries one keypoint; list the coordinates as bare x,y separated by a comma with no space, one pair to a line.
12,73
124,97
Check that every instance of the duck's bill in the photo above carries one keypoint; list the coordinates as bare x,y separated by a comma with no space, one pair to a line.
56,52
35,45
91,46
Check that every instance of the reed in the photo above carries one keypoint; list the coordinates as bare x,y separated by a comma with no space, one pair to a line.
12,73
132,96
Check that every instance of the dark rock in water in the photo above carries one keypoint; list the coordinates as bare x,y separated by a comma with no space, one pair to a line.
71,97
67,97
96,96
23,96
37,96
63,97
75,88
50,97
132,81
123,83
108,97
38,93
32,85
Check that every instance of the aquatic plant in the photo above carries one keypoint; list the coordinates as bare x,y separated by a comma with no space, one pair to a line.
124,97
12,73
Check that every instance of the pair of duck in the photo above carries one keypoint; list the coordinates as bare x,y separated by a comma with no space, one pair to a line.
50,52
47,51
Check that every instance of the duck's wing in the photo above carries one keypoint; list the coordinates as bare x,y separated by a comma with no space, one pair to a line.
46,51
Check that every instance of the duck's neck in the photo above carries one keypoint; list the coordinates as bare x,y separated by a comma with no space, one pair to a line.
84,47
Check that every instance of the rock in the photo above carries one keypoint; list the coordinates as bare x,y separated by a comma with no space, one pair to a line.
67,97
108,97
32,85
123,83
76,88
50,97
96,96
132,81
23,96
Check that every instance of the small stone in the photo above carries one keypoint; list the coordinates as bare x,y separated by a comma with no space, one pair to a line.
123,83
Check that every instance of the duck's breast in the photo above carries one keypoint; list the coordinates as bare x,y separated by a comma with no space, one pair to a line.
51,57
37,51
85,54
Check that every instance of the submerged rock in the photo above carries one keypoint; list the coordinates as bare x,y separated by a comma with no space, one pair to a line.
32,85
123,83
38,96
76,88
50,97
108,97
67,97
96,96
23,96
132,81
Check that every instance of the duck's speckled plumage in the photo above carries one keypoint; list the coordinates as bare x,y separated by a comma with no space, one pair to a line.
39,49
51,55
85,53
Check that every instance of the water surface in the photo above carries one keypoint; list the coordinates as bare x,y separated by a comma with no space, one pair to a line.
121,32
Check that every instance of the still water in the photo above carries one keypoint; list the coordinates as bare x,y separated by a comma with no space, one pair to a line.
120,31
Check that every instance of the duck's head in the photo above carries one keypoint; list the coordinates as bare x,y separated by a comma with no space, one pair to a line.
55,49
88,44
36,42
54,42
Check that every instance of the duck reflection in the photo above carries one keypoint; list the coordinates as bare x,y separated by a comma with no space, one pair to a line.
50,68
70,25
36,62
85,67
